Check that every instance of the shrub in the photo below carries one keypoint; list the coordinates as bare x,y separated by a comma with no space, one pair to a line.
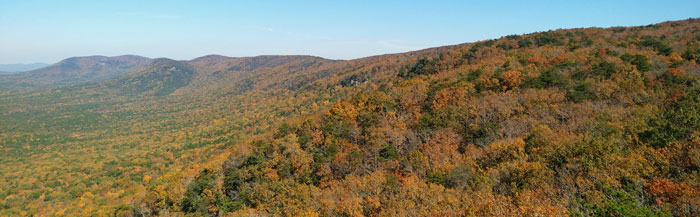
524,42
617,203
605,69
388,152
661,48
581,91
548,38
193,200
547,79
677,122
639,61
693,51
422,67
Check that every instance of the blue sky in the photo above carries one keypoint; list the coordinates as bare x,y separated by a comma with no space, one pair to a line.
48,31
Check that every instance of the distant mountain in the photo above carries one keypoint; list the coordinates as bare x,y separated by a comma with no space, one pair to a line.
566,122
75,70
135,75
6,69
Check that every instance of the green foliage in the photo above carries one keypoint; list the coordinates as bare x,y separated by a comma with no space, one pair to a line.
225,204
428,121
638,60
549,38
677,122
671,80
35,195
605,69
580,92
471,76
617,203
547,79
283,130
437,177
194,201
388,152
423,66
660,47
524,42
478,45
693,51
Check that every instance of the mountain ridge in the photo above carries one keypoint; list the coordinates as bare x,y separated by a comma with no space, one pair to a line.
75,70
555,123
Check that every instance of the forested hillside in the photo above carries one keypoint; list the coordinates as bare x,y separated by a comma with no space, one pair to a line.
578,122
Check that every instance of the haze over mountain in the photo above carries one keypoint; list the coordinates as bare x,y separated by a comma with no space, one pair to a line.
15,68
74,70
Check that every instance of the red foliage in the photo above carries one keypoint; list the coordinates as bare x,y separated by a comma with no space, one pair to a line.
675,71
664,190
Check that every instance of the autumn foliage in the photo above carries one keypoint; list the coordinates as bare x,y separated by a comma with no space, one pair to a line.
575,122
582,122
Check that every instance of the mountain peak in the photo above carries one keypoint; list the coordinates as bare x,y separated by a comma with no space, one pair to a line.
162,61
211,57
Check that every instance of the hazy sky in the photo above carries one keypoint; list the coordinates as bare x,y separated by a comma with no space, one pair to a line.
48,31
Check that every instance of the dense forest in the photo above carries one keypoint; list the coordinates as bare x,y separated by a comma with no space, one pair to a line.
572,122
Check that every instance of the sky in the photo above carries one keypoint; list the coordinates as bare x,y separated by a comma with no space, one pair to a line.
49,31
